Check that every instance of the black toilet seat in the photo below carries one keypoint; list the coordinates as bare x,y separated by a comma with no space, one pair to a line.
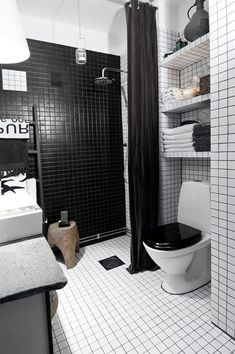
172,236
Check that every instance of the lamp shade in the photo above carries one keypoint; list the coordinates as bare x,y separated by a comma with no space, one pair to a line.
13,44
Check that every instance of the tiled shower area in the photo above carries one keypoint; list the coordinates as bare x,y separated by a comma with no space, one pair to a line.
80,134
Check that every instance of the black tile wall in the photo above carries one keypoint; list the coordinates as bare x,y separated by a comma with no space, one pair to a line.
80,134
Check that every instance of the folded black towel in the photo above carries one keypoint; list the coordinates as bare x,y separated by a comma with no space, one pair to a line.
202,143
13,157
199,130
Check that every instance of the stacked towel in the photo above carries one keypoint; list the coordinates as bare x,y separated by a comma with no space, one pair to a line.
188,137
179,138
170,94
202,137
201,130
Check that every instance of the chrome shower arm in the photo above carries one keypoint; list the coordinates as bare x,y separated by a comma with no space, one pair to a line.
112,69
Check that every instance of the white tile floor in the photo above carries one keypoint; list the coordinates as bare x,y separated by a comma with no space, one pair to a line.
114,312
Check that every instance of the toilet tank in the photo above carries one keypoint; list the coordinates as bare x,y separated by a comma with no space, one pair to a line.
194,205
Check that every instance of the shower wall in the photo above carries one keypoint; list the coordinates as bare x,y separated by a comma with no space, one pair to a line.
80,135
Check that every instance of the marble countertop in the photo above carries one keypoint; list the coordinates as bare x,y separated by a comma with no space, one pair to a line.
28,267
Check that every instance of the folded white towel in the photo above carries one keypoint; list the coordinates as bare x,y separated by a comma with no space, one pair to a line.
187,135
177,142
180,149
179,130
172,93
178,146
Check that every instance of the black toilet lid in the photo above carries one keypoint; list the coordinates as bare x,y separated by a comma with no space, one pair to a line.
172,236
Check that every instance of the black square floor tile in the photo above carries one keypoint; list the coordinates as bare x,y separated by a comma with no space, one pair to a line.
111,262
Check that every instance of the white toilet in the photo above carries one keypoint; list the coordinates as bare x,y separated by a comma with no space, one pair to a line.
183,249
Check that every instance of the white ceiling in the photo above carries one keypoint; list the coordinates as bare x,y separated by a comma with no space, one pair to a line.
97,15
106,16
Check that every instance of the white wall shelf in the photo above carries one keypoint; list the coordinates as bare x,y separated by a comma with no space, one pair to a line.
188,55
188,154
181,106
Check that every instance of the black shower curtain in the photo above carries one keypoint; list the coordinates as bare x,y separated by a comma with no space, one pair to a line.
143,118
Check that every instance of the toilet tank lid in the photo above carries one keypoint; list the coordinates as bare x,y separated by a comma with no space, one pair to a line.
194,205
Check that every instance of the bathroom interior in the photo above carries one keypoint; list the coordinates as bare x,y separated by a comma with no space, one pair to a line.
117,171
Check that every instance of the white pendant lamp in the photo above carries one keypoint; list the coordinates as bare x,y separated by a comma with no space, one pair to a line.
80,53
13,44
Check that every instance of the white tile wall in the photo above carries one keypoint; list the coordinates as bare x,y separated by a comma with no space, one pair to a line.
172,170
195,169
14,80
222,52
198,69
175,170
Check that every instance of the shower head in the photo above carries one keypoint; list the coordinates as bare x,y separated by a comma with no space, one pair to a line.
103,81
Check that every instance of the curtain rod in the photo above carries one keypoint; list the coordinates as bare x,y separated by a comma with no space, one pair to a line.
150,2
